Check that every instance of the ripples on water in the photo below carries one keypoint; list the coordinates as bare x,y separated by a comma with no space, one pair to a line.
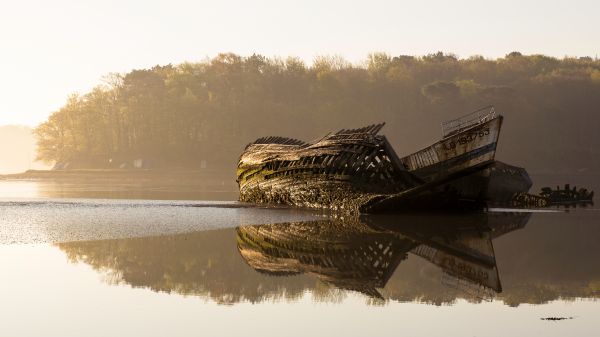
44,221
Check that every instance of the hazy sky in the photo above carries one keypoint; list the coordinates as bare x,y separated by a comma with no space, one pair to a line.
52,48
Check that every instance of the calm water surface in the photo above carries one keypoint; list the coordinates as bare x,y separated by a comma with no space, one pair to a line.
83,266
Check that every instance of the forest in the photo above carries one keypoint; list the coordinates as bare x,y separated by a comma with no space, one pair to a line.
201,115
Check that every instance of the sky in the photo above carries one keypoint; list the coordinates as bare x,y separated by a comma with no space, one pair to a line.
50,49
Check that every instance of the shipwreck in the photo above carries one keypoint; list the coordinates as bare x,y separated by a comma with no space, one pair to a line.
568,196
357,170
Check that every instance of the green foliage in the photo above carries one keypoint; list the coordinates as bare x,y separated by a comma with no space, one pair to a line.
182,115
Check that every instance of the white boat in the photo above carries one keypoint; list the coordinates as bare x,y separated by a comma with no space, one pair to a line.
468,142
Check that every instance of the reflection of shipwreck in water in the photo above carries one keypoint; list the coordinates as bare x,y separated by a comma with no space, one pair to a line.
349,255
209,264
358,170
363,255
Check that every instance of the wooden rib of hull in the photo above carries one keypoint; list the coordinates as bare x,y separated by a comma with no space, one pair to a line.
340,171
355,170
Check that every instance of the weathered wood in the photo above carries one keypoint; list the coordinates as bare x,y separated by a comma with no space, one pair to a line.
470,147
340,171
357,169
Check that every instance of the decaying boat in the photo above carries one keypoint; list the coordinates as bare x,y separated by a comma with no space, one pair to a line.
496,183
567,195
358,170
467,142
340,171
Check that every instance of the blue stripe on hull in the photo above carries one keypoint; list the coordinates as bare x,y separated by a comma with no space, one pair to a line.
429,172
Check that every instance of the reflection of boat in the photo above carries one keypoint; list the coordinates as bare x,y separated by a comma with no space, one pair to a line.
362,255
359,170
209,264
348,255
461,245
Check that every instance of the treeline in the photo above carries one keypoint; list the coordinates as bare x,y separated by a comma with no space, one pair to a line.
203,114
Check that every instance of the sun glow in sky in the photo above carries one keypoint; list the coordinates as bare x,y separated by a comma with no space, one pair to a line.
50,49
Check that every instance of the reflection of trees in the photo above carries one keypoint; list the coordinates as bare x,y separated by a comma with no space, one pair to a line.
558,258
536,265
204,263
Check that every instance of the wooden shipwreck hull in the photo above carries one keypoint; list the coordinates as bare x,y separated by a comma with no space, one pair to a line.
500,183
341,171
357,170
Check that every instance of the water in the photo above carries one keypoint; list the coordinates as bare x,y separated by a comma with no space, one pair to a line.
61,220
99,267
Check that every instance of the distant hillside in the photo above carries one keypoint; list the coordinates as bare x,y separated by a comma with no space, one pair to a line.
201,115
17,149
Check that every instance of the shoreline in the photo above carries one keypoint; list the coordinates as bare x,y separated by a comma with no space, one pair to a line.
117,173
